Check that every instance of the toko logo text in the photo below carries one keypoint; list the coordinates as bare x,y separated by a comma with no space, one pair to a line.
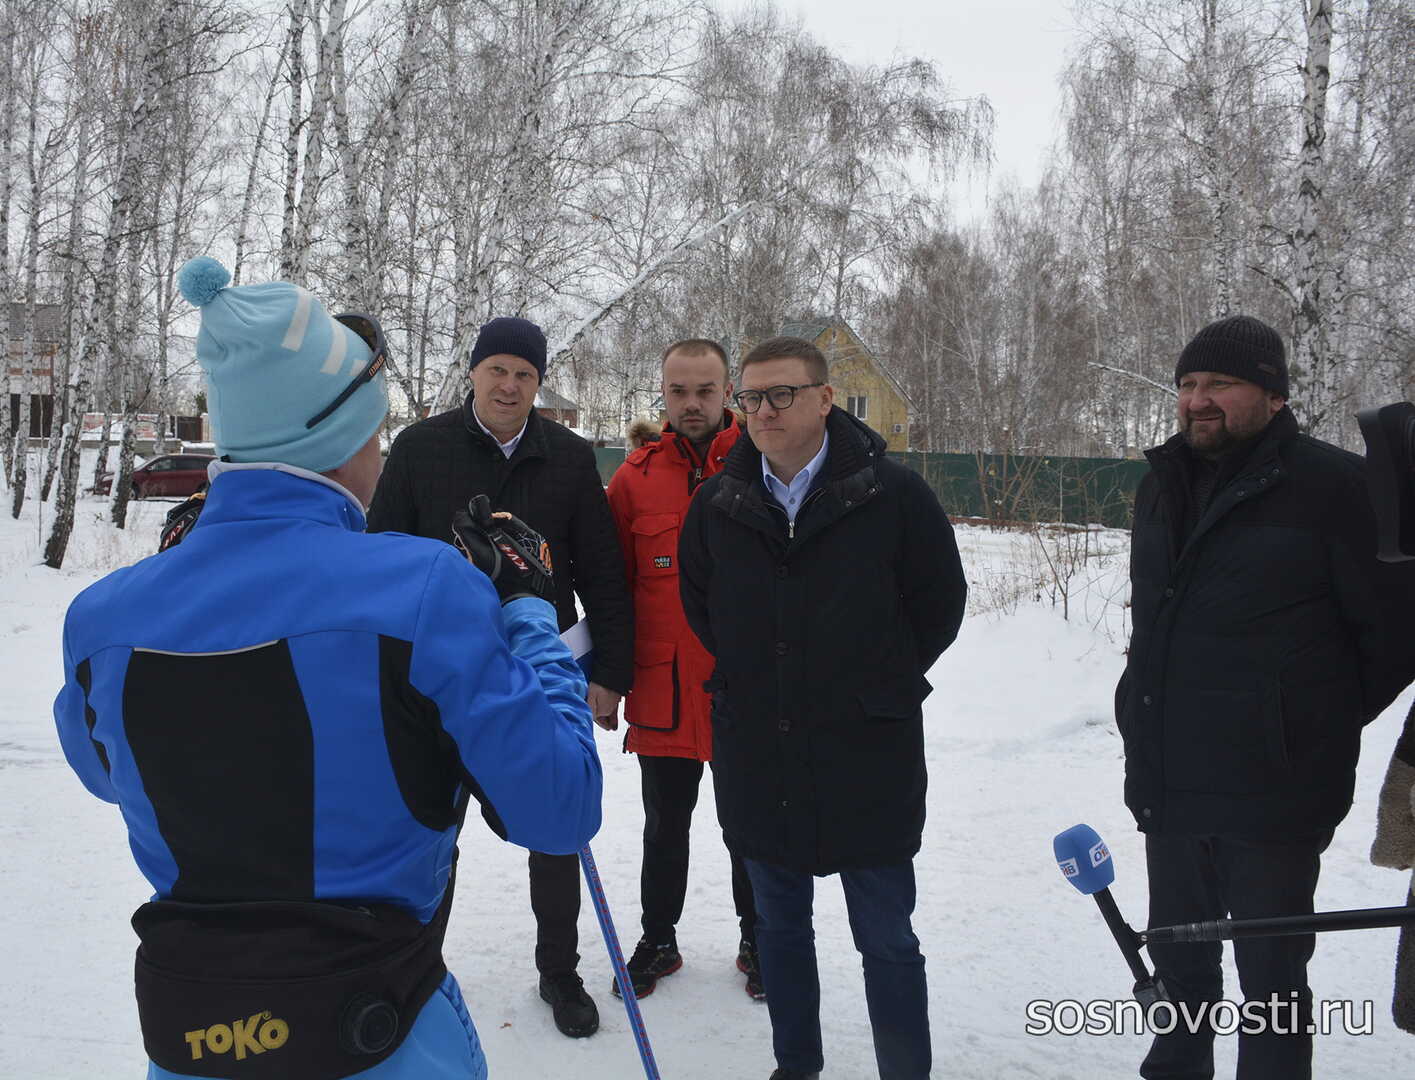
256,1034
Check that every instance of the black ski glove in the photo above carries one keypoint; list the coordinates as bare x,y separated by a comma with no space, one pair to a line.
505,549
180,520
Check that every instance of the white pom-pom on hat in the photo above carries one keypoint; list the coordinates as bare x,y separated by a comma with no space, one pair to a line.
200,279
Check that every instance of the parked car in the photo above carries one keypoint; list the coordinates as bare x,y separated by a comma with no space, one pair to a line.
171,474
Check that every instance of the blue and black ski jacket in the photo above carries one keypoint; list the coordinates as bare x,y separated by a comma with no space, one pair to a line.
287,708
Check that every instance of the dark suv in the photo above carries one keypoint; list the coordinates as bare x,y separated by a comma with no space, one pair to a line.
172,474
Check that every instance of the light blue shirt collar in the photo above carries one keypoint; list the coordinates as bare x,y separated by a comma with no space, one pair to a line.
790,496
507,448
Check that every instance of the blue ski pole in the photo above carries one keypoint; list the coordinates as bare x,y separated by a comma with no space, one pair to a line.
579,642
616,958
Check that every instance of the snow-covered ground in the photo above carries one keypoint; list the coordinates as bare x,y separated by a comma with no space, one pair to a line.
1021,745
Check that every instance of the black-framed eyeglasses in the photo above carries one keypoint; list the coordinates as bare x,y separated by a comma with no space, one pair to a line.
780,397
371,331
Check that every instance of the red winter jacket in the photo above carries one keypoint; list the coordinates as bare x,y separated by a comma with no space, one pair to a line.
668,711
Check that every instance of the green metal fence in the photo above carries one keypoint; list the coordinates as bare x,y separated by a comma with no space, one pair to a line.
1080,491
1010,487
608,458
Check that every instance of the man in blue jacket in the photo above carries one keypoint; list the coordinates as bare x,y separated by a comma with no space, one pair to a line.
293,717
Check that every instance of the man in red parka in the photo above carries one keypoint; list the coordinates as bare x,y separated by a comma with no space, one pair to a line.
668,712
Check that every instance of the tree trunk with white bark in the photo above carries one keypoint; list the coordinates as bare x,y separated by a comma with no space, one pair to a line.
100,328
68,413
9,91
37,161
320,106
243,219
1319,378
295,66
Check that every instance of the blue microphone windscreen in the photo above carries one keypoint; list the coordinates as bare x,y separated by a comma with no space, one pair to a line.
1084,859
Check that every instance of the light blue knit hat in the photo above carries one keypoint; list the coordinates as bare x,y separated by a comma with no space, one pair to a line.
274,359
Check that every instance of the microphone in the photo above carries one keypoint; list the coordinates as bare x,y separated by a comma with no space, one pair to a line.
1084,860
1280,925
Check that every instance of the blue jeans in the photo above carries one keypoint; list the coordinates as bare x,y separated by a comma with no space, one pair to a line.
880,901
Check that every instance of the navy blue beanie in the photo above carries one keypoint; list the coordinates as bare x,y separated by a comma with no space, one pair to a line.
512,337
1241,346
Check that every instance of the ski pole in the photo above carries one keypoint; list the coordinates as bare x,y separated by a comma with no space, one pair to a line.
577,639
616,959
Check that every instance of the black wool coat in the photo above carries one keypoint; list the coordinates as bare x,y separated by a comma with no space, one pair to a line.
551,483
1260,643
821,640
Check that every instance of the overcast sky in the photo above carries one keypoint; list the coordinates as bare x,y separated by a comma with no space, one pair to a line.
1011,51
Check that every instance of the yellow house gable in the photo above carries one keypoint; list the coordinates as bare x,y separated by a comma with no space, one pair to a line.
861,387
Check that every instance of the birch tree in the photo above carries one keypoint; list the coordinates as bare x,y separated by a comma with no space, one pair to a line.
164,43
39,160
125,345
771,110
294,66
257,151
9,91
1314,281
69,405
579,71
322,103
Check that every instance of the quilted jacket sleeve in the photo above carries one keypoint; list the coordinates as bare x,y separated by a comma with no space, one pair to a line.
393,508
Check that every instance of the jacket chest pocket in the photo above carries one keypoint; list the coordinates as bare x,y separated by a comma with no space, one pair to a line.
655,545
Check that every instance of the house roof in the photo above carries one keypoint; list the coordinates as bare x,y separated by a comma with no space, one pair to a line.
811,329
48,322
547,398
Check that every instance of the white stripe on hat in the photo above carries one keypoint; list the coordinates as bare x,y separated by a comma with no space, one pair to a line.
299,322
334,362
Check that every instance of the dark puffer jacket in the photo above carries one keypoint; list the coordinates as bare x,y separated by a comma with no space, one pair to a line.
821,641
1260,645
551,483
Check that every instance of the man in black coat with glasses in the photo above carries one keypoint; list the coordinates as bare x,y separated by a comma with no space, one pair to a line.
825,580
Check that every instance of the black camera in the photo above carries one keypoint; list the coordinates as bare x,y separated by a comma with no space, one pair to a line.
1389,432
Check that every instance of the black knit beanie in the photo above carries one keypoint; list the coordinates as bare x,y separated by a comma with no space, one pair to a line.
513,337
1239,345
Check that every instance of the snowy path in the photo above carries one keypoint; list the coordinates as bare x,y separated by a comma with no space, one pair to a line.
1020,746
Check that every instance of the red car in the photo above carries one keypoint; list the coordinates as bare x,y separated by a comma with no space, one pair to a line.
172,474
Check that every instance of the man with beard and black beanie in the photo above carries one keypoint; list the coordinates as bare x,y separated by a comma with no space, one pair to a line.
1258,653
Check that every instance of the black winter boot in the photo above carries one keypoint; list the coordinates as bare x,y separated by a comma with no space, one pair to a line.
649,964
574,1010
749,965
